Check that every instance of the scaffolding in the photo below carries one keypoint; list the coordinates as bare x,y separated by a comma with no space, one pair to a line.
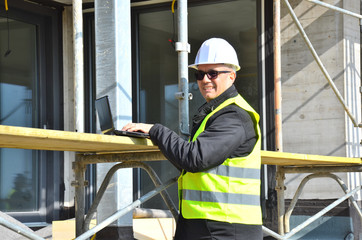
355,121
183,48
280,174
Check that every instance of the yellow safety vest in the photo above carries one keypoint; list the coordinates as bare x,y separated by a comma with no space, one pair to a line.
229,192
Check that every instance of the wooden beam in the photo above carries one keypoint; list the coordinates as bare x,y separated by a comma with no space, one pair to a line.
56,140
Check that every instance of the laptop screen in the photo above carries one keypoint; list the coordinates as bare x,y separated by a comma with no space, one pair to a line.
104,114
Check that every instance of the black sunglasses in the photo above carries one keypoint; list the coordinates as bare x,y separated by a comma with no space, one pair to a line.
212,74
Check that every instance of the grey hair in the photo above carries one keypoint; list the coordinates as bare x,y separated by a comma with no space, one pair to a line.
233,67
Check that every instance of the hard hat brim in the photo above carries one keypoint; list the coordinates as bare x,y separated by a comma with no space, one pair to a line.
194,66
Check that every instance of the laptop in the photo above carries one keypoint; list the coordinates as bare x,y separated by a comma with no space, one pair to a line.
106,123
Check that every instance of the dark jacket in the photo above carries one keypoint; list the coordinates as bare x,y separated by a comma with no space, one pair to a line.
228,133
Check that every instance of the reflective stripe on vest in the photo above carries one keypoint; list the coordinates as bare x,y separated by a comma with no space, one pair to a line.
236,172
229,192
221,197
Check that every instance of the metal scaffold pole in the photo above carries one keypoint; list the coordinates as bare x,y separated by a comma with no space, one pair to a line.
183,48
78,106
78,65
277,79
278,113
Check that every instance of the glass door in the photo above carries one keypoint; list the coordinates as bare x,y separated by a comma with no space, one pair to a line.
18,107
31,182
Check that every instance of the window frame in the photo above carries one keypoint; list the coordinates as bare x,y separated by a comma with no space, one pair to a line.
50,113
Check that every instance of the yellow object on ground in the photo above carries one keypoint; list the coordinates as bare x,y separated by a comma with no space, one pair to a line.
144,229
154,228
65,230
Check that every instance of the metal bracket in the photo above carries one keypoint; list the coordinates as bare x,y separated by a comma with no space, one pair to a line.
182,47
181,96
76,183
281,188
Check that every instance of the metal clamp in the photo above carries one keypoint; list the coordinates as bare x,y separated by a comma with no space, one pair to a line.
181,96
182,47
77,184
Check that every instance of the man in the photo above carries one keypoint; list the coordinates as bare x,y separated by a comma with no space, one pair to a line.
219,187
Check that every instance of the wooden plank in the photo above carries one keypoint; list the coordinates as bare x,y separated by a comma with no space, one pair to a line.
55,140
290,159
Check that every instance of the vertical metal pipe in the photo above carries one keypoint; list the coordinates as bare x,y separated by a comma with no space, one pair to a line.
264,95
278,113
79,184
78,66
277,78
280,188
78,107
182,47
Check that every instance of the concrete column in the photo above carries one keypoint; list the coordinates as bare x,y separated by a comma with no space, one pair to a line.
68,84
113,78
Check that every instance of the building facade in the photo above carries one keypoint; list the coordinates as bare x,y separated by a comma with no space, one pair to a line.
129,55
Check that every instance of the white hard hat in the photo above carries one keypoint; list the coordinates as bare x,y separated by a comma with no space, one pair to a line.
216,51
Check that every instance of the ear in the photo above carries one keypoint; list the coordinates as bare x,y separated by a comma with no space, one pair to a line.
232,76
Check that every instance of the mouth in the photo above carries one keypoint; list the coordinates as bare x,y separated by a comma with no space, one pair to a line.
208,88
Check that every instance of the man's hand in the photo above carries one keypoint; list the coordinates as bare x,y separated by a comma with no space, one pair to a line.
137,127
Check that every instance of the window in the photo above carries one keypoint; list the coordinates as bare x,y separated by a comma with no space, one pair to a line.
235,21
30,96
18,107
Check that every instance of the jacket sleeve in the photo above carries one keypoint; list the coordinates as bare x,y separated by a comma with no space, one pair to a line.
217,142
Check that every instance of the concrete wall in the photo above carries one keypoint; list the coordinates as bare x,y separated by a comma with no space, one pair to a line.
314,121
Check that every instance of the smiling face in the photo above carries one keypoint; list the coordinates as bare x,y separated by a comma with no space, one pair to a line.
211,89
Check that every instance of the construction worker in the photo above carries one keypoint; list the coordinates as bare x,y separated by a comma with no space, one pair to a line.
219,186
